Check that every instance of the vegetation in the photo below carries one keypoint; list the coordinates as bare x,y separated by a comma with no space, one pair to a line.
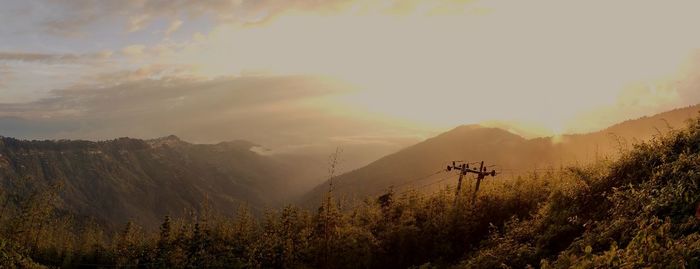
638,211
117,180
502,147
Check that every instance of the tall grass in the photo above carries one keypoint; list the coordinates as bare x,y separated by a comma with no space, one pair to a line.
638,211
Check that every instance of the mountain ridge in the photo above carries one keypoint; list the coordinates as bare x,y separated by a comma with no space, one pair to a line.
512,153
128,178
125,178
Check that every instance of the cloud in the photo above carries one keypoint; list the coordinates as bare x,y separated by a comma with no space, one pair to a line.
18,127
27,76
134,50
152,72
174,26
51,58
72,17
144,97
36,57
137,22
513,58
688,83
5,75
376,139
288,114
204,110
647,97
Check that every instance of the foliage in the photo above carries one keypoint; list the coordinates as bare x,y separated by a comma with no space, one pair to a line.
635,212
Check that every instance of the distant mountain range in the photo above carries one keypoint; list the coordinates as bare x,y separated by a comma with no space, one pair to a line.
511,154
143,180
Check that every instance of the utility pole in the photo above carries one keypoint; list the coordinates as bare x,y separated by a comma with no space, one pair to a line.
479,177
463,170
462,173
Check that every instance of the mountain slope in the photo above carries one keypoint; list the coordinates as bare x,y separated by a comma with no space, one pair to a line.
130,179
511,153
640,211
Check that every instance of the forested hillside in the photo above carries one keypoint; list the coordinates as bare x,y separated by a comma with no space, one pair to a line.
508,153
634,212
125,179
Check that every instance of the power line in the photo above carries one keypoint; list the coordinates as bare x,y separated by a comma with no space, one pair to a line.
526,169
463,170
429,184
420,178
411,181
481,173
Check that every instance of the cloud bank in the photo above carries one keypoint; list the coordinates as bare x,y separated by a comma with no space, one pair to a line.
303,75
286,114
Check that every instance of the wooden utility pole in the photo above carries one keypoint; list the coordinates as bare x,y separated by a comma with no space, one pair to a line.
479,177
462,173
463,170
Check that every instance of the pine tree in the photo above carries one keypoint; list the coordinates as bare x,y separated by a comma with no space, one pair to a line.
197,255
165,244
126,247
328,220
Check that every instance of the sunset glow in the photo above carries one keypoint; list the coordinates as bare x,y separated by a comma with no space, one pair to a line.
551,65
349,134
487,61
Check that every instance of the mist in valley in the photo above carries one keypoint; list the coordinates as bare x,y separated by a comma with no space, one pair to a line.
349,134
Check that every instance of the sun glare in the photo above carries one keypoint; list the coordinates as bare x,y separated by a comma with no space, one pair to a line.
468,67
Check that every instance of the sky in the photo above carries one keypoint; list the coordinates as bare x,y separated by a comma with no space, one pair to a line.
369,75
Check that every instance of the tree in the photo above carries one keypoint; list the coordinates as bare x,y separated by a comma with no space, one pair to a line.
164,251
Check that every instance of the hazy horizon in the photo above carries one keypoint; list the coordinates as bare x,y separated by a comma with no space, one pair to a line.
380,134
307,76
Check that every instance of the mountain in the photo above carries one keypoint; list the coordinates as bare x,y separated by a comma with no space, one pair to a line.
641,210
607,142
130,179
511,154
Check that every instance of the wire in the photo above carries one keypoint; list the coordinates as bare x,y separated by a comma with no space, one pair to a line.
431,184
116,265
498,171
426,185
419,179
466,162
435,182
528,170
104,264
411,181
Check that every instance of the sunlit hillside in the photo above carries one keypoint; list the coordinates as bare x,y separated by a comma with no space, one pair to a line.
510,155
638,211
349,134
